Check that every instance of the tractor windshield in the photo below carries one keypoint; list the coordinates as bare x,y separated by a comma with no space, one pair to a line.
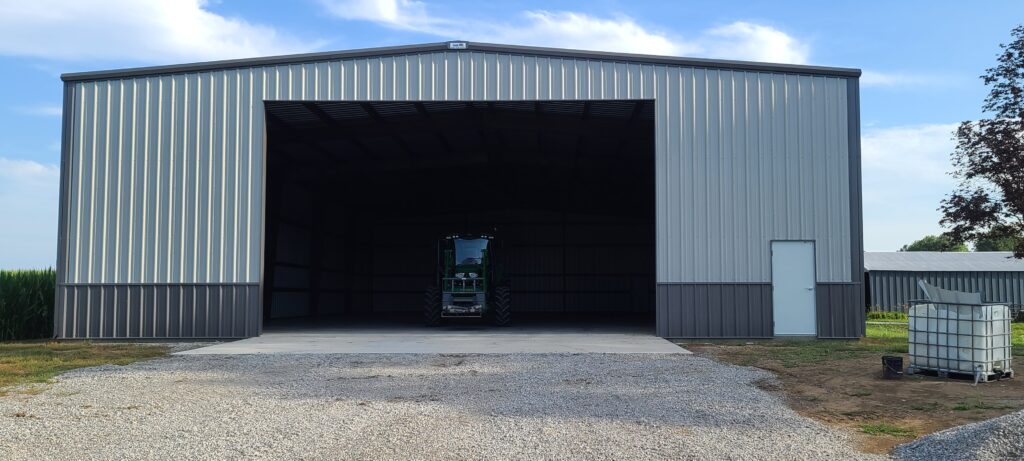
470,251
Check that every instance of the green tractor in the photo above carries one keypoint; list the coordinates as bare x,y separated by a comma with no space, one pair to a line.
468,282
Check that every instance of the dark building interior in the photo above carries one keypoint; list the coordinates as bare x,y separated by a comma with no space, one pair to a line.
358,193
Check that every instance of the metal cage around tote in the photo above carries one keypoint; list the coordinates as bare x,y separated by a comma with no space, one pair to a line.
960,338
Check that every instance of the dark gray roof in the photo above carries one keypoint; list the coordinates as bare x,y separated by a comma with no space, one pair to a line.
469,46
934,261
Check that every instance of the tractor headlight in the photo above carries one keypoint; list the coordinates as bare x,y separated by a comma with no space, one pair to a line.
460,275
472,275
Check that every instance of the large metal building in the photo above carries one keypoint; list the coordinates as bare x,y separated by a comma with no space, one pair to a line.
715,198
892,276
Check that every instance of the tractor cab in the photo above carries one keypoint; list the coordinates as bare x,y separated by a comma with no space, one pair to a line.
466,264
466,281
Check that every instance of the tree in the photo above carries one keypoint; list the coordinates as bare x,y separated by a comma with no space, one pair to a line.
988,201
934,243
995,241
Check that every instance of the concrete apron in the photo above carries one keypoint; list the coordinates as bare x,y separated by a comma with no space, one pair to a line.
445,341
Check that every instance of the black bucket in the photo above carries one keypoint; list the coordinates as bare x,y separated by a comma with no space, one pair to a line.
892,366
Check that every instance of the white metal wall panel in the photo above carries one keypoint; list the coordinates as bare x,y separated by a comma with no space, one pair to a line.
744,158
166,172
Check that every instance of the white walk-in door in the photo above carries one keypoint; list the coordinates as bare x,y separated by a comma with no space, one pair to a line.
793,288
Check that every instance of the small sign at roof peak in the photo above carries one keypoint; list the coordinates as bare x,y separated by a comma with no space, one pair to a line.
457,45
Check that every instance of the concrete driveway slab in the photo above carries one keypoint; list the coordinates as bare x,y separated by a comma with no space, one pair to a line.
447,340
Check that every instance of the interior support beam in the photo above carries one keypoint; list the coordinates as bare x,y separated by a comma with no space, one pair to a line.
604,128
269,255
316,252
441,138
395,135
326,118
319,150
630,125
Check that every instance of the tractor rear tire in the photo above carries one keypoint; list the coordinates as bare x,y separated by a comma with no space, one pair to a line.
502,305
432,306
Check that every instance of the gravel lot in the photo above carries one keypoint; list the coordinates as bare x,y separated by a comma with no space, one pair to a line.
996,439
579,406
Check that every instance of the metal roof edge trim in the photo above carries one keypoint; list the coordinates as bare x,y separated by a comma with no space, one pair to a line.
472,46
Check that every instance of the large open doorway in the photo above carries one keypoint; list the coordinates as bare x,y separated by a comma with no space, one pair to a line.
359,192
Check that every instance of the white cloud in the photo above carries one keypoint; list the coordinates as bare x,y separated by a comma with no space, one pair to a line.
566,29
755,42
399,14
28,171
43,110
28,209
904,177
919,152
581,31
872,78
141,30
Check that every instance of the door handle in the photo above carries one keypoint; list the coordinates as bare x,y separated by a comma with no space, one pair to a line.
810,288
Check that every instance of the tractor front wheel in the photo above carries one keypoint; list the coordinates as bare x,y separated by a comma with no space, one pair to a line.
502,305
432,306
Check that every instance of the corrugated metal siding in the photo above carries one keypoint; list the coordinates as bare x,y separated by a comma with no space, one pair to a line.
166,171
744,310
744,158
840,310
157,311
714,310
165,182
892,290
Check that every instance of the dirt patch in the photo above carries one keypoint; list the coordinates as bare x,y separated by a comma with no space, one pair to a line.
849,392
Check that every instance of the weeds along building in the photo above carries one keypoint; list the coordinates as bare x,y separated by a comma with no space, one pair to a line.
710,198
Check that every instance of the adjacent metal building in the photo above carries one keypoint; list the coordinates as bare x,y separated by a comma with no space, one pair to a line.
893,276
164,178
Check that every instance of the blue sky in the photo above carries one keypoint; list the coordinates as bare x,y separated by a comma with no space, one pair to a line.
921,63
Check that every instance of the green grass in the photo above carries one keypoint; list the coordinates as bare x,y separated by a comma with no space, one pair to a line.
888,316
927,407
38,362
979,405
791,353
886,429
879,340
1018,339
887,332
26,304
899,332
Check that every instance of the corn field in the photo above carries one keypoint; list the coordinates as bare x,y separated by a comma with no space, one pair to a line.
26,304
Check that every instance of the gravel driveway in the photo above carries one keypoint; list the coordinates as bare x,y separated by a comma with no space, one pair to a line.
377,406
995,439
